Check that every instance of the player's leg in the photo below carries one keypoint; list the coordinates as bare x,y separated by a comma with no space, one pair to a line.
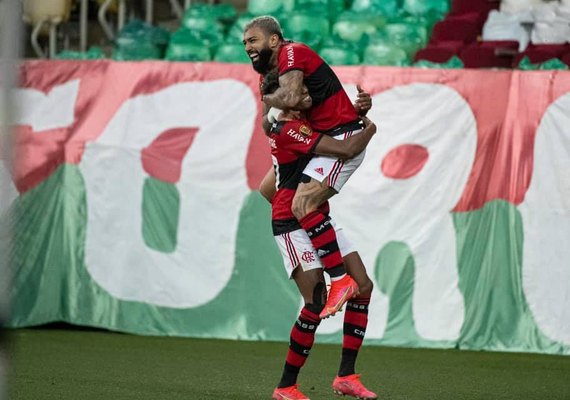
304,267
347,381
312,287
319,228
311,194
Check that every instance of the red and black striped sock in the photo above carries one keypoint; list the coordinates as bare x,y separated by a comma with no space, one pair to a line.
355,322
323,237
300,343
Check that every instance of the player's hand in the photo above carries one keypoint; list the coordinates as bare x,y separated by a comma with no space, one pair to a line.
363,101
367,122
306,100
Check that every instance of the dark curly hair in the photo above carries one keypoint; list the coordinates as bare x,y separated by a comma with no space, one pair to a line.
270,82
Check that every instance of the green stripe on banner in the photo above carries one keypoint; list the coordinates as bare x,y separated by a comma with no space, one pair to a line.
160,211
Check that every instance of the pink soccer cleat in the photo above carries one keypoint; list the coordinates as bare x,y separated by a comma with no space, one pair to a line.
350,385
289,393
341,291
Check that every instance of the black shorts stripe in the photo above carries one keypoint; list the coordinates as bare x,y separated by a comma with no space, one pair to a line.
281,226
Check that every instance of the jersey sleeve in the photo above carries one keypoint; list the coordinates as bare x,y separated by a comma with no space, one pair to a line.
293,56
298,137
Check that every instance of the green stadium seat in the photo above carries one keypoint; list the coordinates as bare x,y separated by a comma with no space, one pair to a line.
306,27
265,7
356,27
94,53
235,32
201,23
317,7
385,54
340,55
304,21
187,45
140,41
231,53
223,13
552,64
408,37
453,63
388,8
422,7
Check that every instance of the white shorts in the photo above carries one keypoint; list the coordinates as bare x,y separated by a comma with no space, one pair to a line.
296,249
335,171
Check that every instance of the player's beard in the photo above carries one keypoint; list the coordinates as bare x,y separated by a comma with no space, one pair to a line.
262,63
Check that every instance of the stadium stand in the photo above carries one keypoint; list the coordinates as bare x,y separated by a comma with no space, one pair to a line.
45,16
426,33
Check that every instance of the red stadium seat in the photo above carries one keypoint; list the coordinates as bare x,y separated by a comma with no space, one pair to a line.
455,30
542,52
485,56
434,54
439,52
508,47
566,59
477,6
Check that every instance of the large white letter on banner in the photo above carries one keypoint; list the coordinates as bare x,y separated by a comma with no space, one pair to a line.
376,209
42,112
47,111
212,189
546,219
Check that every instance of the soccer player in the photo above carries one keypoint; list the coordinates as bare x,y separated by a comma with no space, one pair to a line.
331,113
293,142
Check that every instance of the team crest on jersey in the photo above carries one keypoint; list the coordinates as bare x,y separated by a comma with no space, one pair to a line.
305,130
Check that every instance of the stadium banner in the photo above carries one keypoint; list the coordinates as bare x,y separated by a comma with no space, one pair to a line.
135,207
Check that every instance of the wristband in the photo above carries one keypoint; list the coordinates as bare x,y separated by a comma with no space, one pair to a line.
273,114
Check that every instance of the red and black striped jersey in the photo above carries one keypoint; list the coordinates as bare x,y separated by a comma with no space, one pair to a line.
292,145
331,106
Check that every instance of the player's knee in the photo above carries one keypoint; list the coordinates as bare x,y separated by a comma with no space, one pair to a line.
318,299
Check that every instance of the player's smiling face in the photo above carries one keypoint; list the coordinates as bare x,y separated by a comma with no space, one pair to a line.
257,47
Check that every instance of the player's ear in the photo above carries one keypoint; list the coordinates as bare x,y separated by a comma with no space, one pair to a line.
274,41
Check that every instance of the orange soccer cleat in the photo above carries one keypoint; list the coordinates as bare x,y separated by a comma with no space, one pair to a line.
350,385
289,393
341,291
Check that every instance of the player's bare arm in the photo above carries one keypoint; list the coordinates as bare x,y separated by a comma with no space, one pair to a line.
290,92
265,124
347,148
267,185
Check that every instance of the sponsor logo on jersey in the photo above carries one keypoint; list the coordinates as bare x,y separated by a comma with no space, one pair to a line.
290,56
298,137
322,253
319,170
308,256
305,130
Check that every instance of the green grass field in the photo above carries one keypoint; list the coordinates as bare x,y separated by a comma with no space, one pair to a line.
70,364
